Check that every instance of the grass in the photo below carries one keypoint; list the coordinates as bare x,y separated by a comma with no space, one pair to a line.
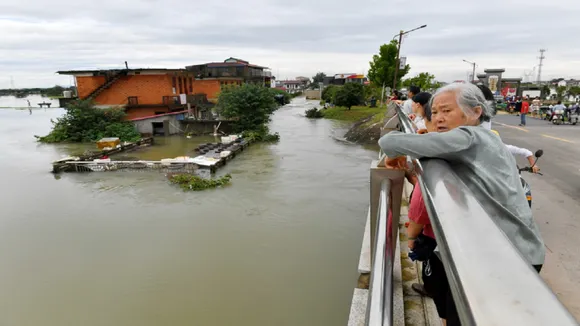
356,113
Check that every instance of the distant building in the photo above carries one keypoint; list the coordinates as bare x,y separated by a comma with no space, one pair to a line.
211,77
341,79
292,86
143,92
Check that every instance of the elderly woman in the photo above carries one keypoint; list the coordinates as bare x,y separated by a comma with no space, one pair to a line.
482,162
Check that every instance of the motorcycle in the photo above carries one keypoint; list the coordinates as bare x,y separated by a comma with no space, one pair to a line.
525,185
565,116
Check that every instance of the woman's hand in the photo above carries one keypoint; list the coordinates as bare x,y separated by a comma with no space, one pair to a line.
422,131
535,169
412,116
411,244
399,162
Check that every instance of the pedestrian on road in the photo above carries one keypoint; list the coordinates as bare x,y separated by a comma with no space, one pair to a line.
518,105
484,165
525,109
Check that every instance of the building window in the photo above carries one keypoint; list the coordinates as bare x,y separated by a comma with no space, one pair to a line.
190,84
180,85
132,100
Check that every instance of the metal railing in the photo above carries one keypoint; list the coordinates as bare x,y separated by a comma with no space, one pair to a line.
491,283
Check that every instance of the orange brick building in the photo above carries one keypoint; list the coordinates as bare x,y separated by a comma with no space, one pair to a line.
147,92
143,92
211,77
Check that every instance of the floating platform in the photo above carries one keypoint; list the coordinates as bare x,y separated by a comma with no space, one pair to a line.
64,165
211,156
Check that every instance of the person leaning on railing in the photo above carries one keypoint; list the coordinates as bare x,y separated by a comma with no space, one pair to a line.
482,162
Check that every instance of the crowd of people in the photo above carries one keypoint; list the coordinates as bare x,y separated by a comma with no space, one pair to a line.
454,124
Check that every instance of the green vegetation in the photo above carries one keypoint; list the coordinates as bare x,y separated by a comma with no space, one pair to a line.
260,136
349,95
355,114
251,107
314,113
82,122
55,91
329,93
424,80
560,92
382,68
278,92
318,78
190,182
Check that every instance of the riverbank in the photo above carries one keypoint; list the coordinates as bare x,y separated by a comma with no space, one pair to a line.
367,122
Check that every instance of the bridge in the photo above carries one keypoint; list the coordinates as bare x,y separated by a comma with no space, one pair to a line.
490,282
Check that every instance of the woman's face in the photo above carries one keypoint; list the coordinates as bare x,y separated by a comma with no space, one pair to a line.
447,115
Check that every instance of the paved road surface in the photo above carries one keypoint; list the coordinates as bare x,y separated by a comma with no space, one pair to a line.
556,195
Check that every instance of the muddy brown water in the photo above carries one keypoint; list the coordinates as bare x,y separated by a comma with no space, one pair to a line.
278,247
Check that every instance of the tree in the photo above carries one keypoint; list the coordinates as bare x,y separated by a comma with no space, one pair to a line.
318,78
249,105
424,80
545,91
349,95
329,93
82,122
560,92
382,70
574,91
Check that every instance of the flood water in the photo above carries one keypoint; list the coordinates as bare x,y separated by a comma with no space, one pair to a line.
279,246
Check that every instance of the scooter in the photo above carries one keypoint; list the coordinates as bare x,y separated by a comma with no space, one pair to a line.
525,185
562,117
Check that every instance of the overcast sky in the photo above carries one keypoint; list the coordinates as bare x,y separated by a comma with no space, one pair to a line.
293,38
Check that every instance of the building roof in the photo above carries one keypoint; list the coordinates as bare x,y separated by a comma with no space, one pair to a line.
74,72
229,62
291,81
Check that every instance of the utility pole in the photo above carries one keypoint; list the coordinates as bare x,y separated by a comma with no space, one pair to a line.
473,71
401,33
541,57
397,61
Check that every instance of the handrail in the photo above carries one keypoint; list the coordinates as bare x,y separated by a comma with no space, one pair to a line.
380,309
490,281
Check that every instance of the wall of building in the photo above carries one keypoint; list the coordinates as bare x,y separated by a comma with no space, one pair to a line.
87,84
133,113
145,126
312,94
149,89
209,87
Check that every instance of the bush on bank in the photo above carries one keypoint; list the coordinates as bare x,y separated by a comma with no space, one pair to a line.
82,122
314,113
190,182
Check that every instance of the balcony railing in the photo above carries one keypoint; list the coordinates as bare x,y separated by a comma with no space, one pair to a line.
491,283
171,100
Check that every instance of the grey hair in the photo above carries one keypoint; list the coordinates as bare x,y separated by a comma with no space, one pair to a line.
469,97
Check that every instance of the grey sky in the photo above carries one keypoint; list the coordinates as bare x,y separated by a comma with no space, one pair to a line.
293,38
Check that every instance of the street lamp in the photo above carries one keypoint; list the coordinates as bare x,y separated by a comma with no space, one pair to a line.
473,73
401,33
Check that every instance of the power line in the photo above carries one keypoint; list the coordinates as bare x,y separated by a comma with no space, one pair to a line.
541,57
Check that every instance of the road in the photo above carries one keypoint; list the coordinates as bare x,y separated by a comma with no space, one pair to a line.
555,198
